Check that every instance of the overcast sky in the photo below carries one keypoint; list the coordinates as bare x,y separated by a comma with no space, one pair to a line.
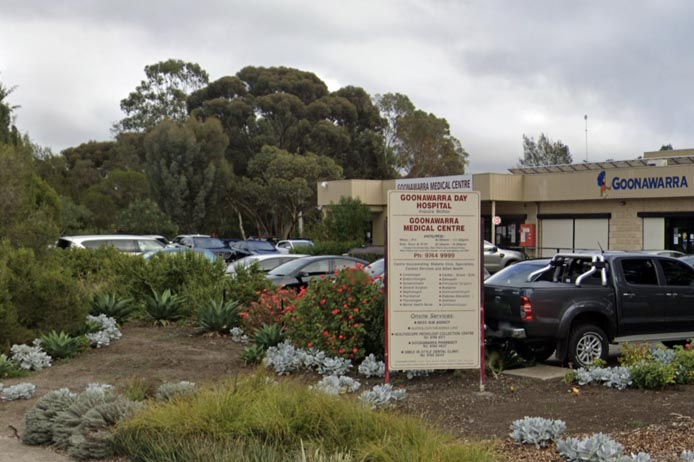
494,69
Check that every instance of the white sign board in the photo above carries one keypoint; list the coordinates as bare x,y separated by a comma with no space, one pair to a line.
433,280
438,183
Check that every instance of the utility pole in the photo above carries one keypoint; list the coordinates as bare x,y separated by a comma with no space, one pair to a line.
585,117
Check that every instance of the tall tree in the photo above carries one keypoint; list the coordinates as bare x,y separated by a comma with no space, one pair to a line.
292,110
162,95
187,171
8,132
280,188
666,147
544,152
417,143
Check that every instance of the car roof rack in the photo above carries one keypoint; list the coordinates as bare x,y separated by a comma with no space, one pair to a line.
556,264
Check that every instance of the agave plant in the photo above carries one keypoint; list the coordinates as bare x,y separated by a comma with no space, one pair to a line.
269,336
112,306
219,316
165,307
253,354
61,345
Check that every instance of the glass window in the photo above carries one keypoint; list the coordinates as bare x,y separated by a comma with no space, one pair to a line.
269,263
317,268
677,273
639,271
150,244
95,243
344,263
125,245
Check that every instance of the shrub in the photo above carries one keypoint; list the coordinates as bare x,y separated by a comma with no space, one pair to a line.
634,353
247,286
113,306
164,307
255,412
326,247
30,358
60,345
18,391
219,316
652,375
40,419
537,430
44,295
171,391
271,306
341,316
252,354
595,448
684,365
9,368
102,330
139,389
268,336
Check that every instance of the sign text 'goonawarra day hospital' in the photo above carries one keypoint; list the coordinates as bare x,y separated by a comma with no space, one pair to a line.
433,280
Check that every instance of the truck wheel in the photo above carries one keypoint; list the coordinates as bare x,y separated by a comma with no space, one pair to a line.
537,352
587,344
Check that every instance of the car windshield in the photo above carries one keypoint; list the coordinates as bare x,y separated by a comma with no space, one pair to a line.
288,267
260,245
208,242
516,274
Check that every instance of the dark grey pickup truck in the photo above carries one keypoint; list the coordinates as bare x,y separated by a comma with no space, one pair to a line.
577,304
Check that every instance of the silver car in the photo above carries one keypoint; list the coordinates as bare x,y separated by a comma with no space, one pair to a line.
496,259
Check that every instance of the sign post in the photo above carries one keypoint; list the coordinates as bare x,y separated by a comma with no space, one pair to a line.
434,279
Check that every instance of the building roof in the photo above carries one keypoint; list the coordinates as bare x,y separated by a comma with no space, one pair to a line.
609,164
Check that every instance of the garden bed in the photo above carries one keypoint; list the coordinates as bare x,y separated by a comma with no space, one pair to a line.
654,421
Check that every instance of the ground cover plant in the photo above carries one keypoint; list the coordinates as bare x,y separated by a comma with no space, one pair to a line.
242,419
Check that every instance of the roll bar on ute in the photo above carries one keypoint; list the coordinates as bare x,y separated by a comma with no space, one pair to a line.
558,264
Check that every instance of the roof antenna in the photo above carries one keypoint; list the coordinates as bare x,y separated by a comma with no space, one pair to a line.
602,251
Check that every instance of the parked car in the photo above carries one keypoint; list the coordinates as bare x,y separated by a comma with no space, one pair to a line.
203,241
580,303
666,253
688,259
182,250
496,259
299,272
287,245
127,243
265,262
248,247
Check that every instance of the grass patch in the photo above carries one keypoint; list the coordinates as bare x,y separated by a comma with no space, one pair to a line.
258,419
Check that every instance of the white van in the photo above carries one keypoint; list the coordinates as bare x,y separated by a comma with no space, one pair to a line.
132,244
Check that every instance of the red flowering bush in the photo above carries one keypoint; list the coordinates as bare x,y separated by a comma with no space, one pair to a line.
270,308
341,316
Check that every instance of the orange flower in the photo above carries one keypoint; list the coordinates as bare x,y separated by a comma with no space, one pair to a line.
309,344
322,302
355,350
356,325
335,312
356,310
325,333
341,350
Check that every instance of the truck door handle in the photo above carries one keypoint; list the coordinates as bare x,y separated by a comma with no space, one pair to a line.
629,294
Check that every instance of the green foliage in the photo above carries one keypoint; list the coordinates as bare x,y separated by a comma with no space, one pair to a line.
269,335
113,306
139,388
274,173
187,170
634,353
684,365
31,208
162,95
192,276
259,413
41,418
571,377
347,221
247,286
219,315
652,375
59,345
269,309
544,152
39,295
9,369
341,316
164,307
145,217
253,354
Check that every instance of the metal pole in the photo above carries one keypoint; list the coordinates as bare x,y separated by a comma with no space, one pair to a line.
483,366
585,117
386,339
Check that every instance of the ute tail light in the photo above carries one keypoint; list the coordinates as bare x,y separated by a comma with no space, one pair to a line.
526,309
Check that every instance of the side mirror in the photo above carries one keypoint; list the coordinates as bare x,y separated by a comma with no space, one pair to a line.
493,249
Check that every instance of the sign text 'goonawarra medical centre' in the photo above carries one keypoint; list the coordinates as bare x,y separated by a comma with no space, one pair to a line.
433,280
